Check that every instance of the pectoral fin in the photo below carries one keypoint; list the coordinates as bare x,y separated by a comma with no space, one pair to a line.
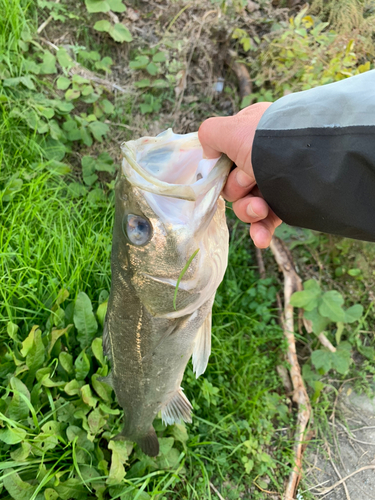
202,347
178,408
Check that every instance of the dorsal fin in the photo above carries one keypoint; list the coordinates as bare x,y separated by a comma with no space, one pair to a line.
178,408
202,346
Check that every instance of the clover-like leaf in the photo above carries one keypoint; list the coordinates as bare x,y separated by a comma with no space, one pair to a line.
331,306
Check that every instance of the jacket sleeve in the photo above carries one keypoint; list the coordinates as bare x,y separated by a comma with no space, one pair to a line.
314,157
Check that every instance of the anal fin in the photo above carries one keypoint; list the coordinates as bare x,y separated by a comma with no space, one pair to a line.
178,408
202,346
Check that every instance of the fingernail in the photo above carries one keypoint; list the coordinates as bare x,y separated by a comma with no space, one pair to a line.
243,179
250,212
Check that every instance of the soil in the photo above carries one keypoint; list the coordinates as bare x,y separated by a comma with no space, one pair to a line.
352,447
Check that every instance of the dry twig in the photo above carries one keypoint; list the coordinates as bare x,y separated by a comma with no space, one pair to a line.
46,22
259,257
292,283
216,491
330,488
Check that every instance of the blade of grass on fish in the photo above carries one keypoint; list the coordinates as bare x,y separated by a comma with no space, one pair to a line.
181,276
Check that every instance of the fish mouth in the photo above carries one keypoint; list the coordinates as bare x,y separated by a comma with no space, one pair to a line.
172,165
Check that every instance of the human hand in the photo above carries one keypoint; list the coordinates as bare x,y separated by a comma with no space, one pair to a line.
234,136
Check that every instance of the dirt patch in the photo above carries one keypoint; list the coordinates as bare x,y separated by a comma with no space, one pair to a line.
350,448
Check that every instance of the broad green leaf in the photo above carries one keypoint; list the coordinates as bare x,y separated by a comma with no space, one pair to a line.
331,306
18,408
143,83
97,197
116,5
88,165
71,489
160,84
77,190
64,59
308,298
322,360
97,350
120,452
168,460
165,445
87,396
105,64
48,65
353,314
71,94
63,83
50,494
20,454
159,57
180,433
98,129
94,6
46,112
80,80
17,489
341,359
102,25
107,410
12,329
84,320
89,180
23,80
319,322
73,387
96,421
11,188
107,106
82,366
120,33
152,69
139,62
36,355
101,312
66,361
61,296
64,107
56,334
103,390
12,435
87,90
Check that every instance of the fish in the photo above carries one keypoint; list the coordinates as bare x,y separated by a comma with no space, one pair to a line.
169,255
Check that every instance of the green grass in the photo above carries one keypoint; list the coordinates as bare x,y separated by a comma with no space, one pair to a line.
50,241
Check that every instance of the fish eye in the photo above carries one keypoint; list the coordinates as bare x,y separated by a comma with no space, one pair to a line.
137,229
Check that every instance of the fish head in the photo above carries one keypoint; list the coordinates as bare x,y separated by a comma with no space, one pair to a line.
167,196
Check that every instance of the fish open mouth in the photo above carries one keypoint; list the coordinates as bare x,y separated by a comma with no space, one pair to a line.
173,165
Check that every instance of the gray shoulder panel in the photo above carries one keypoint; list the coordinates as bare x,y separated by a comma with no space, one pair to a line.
349,102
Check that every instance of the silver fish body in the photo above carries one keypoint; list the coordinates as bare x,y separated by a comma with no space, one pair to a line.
168,209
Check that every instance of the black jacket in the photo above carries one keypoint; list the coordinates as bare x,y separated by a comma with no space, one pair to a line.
314,157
